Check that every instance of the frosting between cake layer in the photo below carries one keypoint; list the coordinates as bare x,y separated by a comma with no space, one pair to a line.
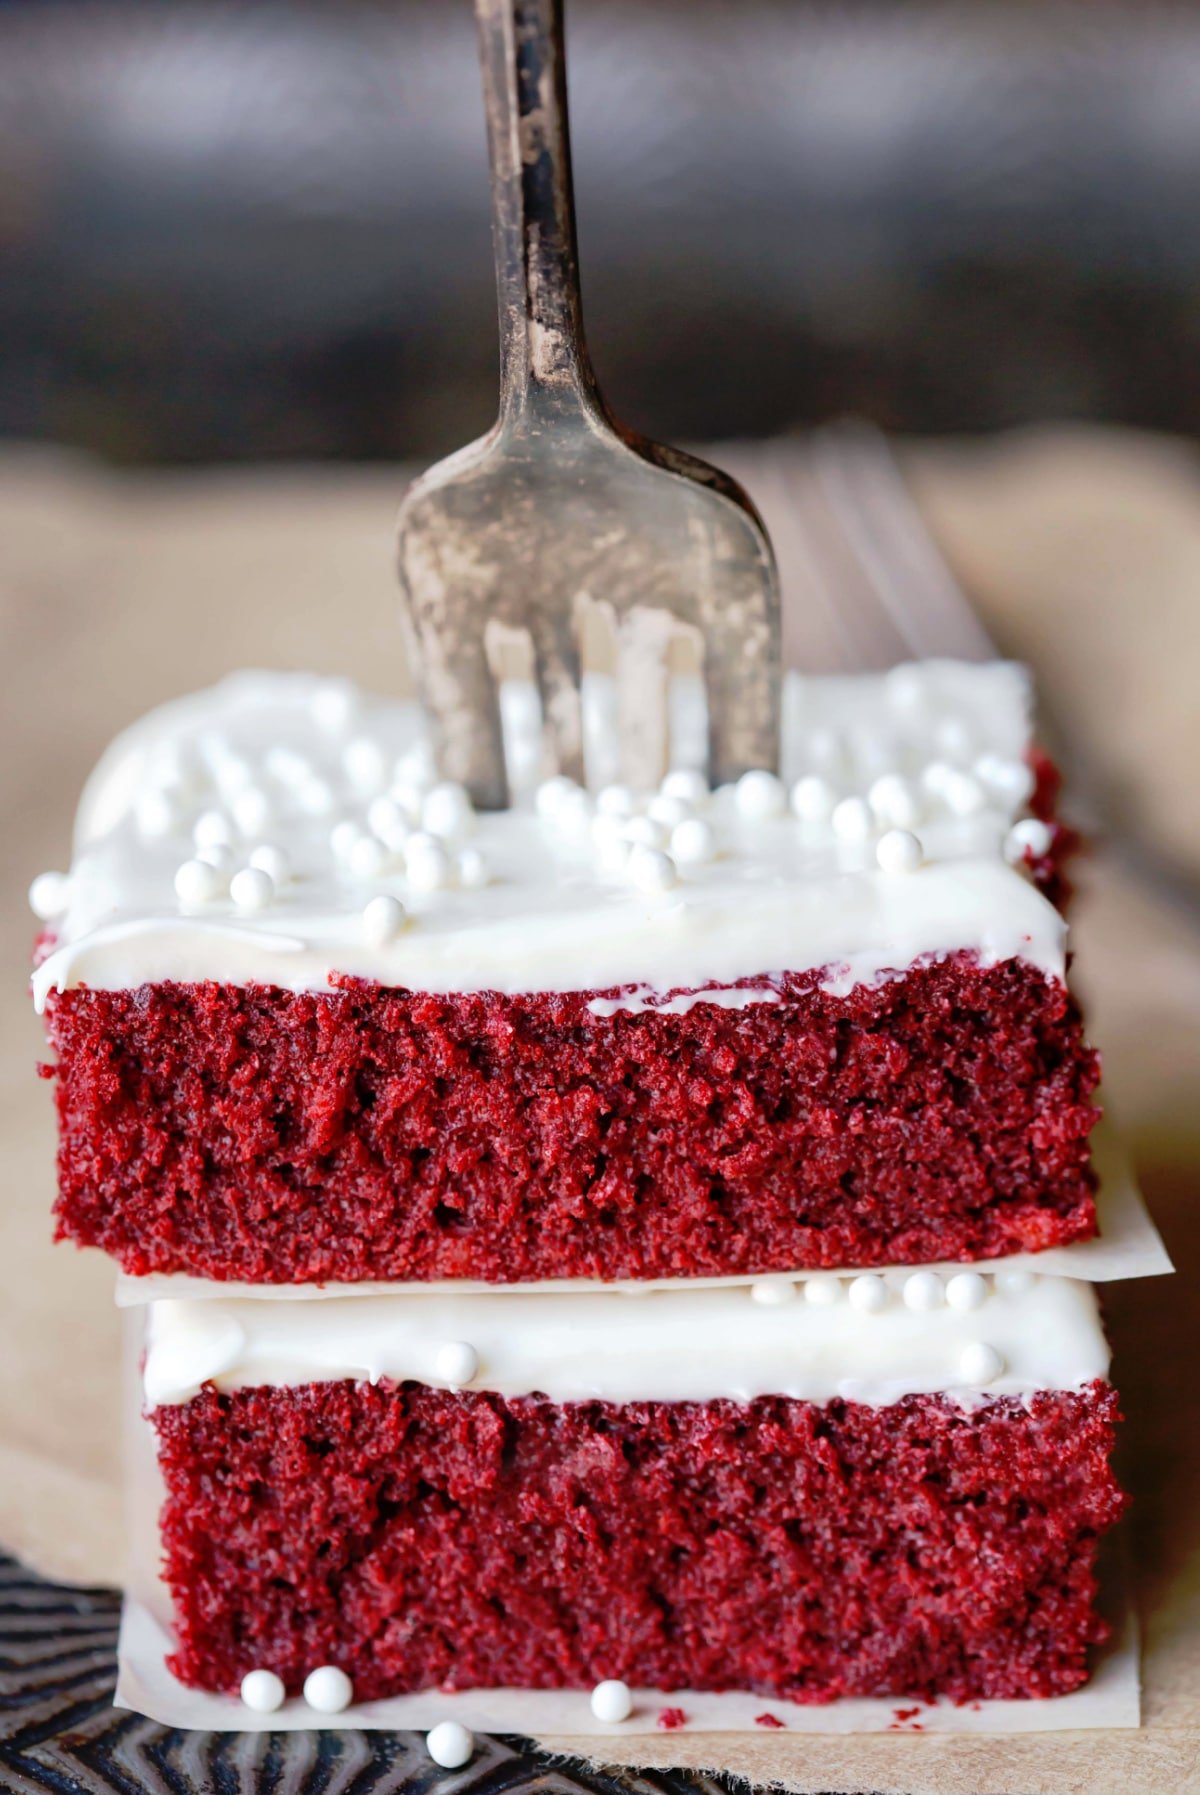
283,829
871,1340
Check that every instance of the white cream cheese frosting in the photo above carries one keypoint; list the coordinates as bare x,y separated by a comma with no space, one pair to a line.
870,1339
284,829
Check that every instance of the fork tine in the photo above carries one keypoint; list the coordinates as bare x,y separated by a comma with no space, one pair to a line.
464,713
557,671
643,641
741,682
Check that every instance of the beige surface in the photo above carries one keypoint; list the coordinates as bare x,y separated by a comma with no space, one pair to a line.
1083,553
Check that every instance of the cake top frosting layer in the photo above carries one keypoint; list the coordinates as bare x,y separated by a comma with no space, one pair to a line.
283,829
870,1339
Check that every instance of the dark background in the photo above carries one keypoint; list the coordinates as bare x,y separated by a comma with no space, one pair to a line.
237,231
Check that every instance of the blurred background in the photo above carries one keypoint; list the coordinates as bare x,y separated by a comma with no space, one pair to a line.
246,290
239,231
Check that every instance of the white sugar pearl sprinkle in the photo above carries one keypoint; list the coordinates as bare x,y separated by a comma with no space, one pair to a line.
852,819
685,784
447,811
472,869
773,1291
368,858
1015,1281
693,842
813,799
262,1691
427,863
667,811
1010,780
271,860
457,1363
383,920
615,800
364,764
251,888
328,1690
759,795
450,1745
823,1290
408,798
980,1363
212,829
389,820
898,852
644,832
612,1701
218,854
894,801
963,794
196,882
868,1293
966,1290
652,871
936,776
550,794
415,766
924,1291
343,836
50,895
1030,836
576,813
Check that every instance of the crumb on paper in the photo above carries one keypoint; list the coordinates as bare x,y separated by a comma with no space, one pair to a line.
670,1719
769,1720
906,1713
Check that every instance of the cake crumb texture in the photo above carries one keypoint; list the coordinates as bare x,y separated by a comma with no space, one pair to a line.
420,1538
250,1133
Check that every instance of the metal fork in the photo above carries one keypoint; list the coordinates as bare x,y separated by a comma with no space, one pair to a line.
559,508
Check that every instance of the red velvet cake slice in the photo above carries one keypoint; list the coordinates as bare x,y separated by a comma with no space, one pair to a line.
315,1021
882,1487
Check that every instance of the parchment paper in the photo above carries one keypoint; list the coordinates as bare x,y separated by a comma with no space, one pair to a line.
1109,1699
1082,551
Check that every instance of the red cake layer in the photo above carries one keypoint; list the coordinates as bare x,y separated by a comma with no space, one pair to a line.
250,1133
419,1538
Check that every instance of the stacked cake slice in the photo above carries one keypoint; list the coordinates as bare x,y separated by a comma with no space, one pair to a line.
681,1490
590,1244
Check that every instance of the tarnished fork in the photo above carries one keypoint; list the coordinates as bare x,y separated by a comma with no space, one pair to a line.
559,508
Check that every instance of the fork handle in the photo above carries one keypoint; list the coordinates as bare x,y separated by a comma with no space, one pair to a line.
544,363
